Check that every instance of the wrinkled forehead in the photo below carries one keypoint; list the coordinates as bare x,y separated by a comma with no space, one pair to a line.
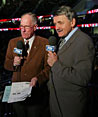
59,18
26,20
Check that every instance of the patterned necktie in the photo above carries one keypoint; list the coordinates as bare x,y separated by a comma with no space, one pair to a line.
62,42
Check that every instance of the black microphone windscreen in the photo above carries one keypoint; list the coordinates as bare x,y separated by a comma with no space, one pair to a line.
20,44
52,41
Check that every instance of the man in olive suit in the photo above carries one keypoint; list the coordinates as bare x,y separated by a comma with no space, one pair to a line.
71,67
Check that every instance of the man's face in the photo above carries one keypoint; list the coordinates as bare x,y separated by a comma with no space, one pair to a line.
63,25
27,27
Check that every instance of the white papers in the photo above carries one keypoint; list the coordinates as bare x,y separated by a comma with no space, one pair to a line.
19,91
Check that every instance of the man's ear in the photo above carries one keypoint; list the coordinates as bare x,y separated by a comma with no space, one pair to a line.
35,27
73,22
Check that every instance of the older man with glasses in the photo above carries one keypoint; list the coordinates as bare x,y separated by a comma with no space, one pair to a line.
32,67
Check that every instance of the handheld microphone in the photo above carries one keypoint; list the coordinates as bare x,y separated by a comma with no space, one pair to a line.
19,51
19,48
52,44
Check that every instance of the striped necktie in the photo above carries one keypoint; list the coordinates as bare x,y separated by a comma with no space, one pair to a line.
62,42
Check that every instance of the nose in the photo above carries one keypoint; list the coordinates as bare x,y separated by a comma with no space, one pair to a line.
56,26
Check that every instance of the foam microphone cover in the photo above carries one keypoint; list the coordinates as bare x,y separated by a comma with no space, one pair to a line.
52,41
20,44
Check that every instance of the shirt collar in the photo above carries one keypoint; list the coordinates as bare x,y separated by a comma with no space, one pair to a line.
71,33
30,39
64,40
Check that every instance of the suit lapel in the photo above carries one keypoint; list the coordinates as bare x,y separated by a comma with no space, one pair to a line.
66,45
33,50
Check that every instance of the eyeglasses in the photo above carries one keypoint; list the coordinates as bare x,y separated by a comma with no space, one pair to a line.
26,27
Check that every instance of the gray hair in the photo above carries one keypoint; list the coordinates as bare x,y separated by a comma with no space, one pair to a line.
33,16
67,11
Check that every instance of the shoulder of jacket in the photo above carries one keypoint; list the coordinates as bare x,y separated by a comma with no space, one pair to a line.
16,39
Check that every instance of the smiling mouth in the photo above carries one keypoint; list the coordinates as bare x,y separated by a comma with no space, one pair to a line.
59,31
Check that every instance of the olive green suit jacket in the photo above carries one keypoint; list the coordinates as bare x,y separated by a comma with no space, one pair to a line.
70,76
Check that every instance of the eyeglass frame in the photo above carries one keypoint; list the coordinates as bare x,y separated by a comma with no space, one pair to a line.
25,27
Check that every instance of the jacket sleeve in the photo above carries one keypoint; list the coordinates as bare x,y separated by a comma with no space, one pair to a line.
43,75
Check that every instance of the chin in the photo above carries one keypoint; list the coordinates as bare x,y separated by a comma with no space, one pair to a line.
60,35
25,37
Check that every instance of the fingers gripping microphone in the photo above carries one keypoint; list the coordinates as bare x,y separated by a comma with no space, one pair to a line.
52,44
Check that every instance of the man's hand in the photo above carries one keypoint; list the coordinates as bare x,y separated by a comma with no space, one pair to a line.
17,60
52,58
33,81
